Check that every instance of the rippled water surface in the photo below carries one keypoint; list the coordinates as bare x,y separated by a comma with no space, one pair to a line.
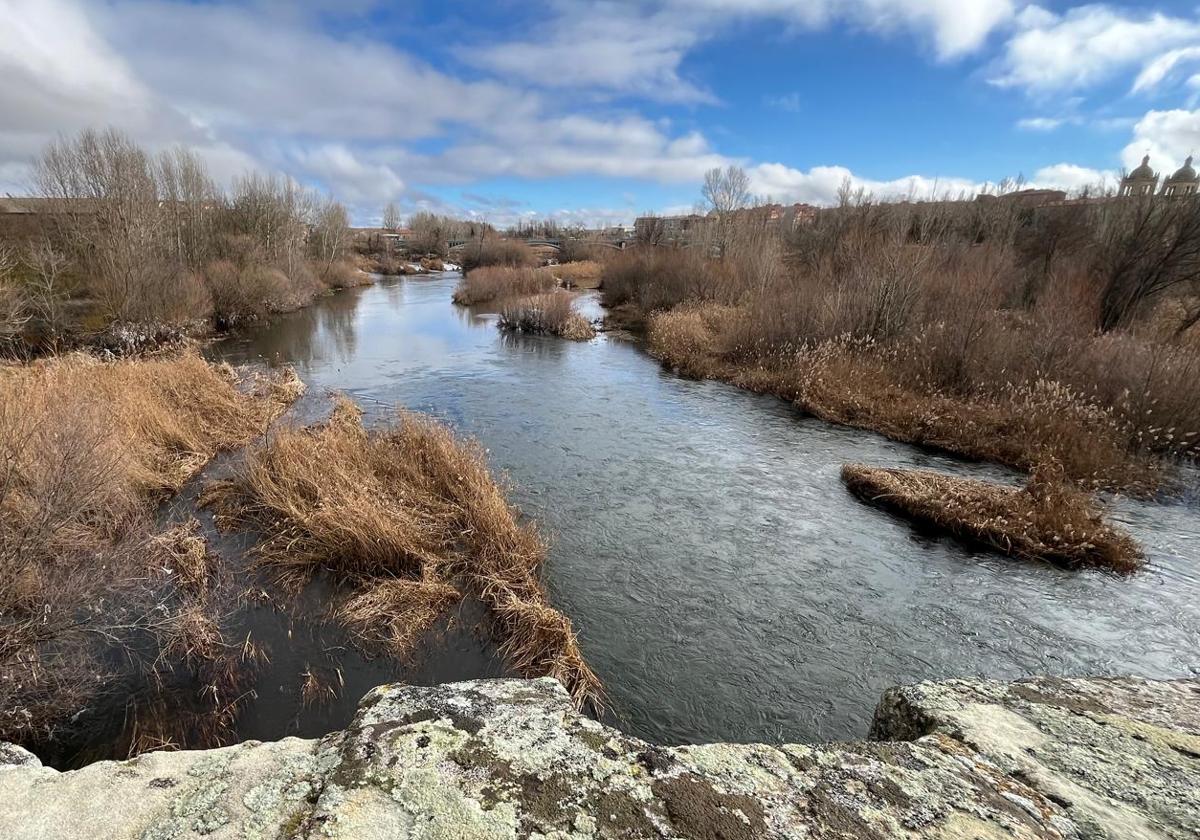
724,583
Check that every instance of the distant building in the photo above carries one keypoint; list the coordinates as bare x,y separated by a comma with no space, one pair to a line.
673,229
1141,181
1185,181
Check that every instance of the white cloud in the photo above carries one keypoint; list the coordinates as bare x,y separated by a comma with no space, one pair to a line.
1072,178
1167,136
1041,123
1154,73
1085,46
820,184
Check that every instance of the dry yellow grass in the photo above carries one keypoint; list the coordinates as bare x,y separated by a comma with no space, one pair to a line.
87,450
582,274
548,314
499,283
868,386
401,518
1045,520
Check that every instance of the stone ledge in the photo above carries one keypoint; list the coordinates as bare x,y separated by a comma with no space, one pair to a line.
512,759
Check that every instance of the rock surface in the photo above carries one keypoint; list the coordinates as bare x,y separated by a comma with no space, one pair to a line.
511,759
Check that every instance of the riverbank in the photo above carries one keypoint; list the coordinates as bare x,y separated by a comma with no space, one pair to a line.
1042,759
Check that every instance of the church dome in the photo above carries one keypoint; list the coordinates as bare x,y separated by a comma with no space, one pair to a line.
1144,171
1186,172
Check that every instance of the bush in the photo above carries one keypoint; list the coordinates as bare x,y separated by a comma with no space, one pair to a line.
548,314
1045,520
87,606
511,253
495,283
658,278
404,518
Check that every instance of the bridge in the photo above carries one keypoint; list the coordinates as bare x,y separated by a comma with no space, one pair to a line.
556,244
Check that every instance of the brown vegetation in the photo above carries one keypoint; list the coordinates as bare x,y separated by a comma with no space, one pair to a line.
496,283
1047,519
151,240
583,274
976,327
547,314
402,519
87,449
492,251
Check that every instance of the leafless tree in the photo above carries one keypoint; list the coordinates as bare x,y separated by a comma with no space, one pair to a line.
13,310
391,217
330,232
1143,249
726,191
46,290
430,233
190,205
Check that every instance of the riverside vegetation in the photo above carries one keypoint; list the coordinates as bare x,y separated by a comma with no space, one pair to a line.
1058,341
132,248
117,620
531,300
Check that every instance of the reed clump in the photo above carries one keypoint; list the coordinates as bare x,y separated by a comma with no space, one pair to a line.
1047,519
402,519
492,251
488,285
87,450
581,274
547,314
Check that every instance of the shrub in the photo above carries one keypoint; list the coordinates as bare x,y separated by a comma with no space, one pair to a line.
548,314
403,517
87,451
1045,520
577,275
495,283
510,253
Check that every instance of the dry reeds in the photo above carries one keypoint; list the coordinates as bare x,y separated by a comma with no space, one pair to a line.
87,449
509,253
582,274
548,314
1047,519
486,285
401,519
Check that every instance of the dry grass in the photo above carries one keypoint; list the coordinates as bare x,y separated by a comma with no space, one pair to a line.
87,449
401,519
487,285
1045,520
507,253
583,274
548,314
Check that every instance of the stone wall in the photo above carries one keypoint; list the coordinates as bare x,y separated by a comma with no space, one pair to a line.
1040,758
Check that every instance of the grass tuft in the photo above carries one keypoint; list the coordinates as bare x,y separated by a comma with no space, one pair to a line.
548,314
401,519
1047,519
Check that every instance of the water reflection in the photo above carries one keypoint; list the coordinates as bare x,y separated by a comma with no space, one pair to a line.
725,585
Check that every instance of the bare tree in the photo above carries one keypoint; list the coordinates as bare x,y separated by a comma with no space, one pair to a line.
106,206
431,233
46,290
13,310
330,232
726,191
391,217
189,203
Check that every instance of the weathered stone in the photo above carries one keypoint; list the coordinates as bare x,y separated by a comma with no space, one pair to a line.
512,759
1121,756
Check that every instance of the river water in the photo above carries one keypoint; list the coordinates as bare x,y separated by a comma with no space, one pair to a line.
724,584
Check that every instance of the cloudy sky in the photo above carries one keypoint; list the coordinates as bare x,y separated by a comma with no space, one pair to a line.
598,111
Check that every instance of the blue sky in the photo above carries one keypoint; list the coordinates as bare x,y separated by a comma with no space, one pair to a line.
595,112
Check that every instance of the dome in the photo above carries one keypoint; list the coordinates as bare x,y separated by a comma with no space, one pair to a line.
1186,172
1144,171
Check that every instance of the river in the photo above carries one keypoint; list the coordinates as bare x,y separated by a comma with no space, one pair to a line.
724,584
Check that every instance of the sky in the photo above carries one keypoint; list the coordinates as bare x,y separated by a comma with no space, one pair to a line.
595,112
